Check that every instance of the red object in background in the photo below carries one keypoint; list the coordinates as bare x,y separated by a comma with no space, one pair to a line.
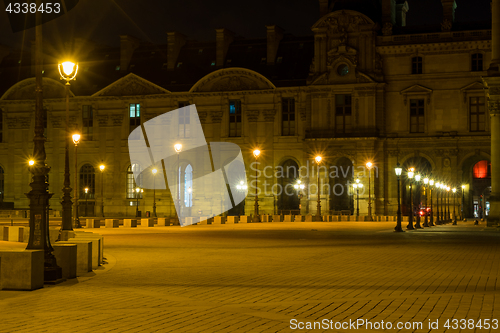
481,169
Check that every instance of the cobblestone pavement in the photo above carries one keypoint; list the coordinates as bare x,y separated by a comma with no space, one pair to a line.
258,277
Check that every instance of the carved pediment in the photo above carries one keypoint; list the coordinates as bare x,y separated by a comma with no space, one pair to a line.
416,90
473,88
25,90
131,85
348,20
232,79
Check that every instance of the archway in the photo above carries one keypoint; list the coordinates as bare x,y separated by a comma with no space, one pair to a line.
288,198
340,178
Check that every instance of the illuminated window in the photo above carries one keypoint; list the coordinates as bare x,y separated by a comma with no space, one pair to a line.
87,179
135,116
482,169
131,183
188,186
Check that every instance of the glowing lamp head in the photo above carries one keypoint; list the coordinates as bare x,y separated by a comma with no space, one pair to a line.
31,162
190,190
302,186
154,171
86,190
463,187
417,177
431,182
426,180
360,185
76,138
398,170
448,188
296,186
178,147
256,153
137,189
454,190
68,67
411,173
101,167
318,159
357,180
369,165
355,185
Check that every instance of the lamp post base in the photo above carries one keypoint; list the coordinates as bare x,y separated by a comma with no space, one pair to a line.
398,229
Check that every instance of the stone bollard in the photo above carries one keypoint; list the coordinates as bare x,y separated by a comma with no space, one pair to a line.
162,222
299,218
129,223
174,221
111,223
245,219
83,255
191,221
66,259
288,218
219,220
93,223
22,269
232,219
204,220
148,222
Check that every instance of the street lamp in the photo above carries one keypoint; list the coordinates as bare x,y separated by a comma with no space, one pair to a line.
398,171
426,181
68,71
357,185
242,187
178,148
189,190
369,166
137,190
86,199
154,171
431,185
76,141
101,167
256,217
462,215
438,219
298,187
318,206
448,216
417,182
454,190
411,173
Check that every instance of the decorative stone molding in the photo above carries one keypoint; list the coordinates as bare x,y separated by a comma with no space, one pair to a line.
446,25
57,121
416,90
19,122
387,29
203,116
494,107
303,114
216,116
117,119
102,120
252,115
269,115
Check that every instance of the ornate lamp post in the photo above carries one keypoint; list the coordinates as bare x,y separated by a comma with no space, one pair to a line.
417,182
154,171
76,141
454,190
411,173
441,204
426,182
137,190
369,166
86,199
357,185
68,71
462,214
318,206
398,228
256,217
190,191
178,149
101,167
299,187
431,185
242,187
438,219
448,216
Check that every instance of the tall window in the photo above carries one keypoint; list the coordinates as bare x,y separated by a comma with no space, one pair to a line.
1,184
417,108
88,122
87,179
184,121
416,65
288,116
477,114
131,183
476,62
188,186
234,118
343,113
135,116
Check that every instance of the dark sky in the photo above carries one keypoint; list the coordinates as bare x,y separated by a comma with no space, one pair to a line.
104,20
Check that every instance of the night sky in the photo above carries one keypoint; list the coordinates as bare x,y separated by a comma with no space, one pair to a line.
104,20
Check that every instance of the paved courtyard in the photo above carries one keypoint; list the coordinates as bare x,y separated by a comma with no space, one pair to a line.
273,277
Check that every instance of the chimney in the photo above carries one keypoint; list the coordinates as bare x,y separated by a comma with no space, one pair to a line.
274,36
449,7
128,44
175,41
323,8
224,38
401,10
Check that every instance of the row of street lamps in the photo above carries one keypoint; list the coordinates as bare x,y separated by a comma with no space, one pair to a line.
443,191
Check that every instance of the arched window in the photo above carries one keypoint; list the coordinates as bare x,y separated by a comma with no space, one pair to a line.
87,179
188,186
131,183
1,183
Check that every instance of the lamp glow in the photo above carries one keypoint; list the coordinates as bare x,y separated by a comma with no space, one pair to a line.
154,171
318,159
178,147
31,162
426,180
76,138
101,167
398,170
256,153
417,177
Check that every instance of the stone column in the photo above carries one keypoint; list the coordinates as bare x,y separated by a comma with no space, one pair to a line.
492,83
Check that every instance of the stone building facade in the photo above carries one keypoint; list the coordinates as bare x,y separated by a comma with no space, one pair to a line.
360,89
